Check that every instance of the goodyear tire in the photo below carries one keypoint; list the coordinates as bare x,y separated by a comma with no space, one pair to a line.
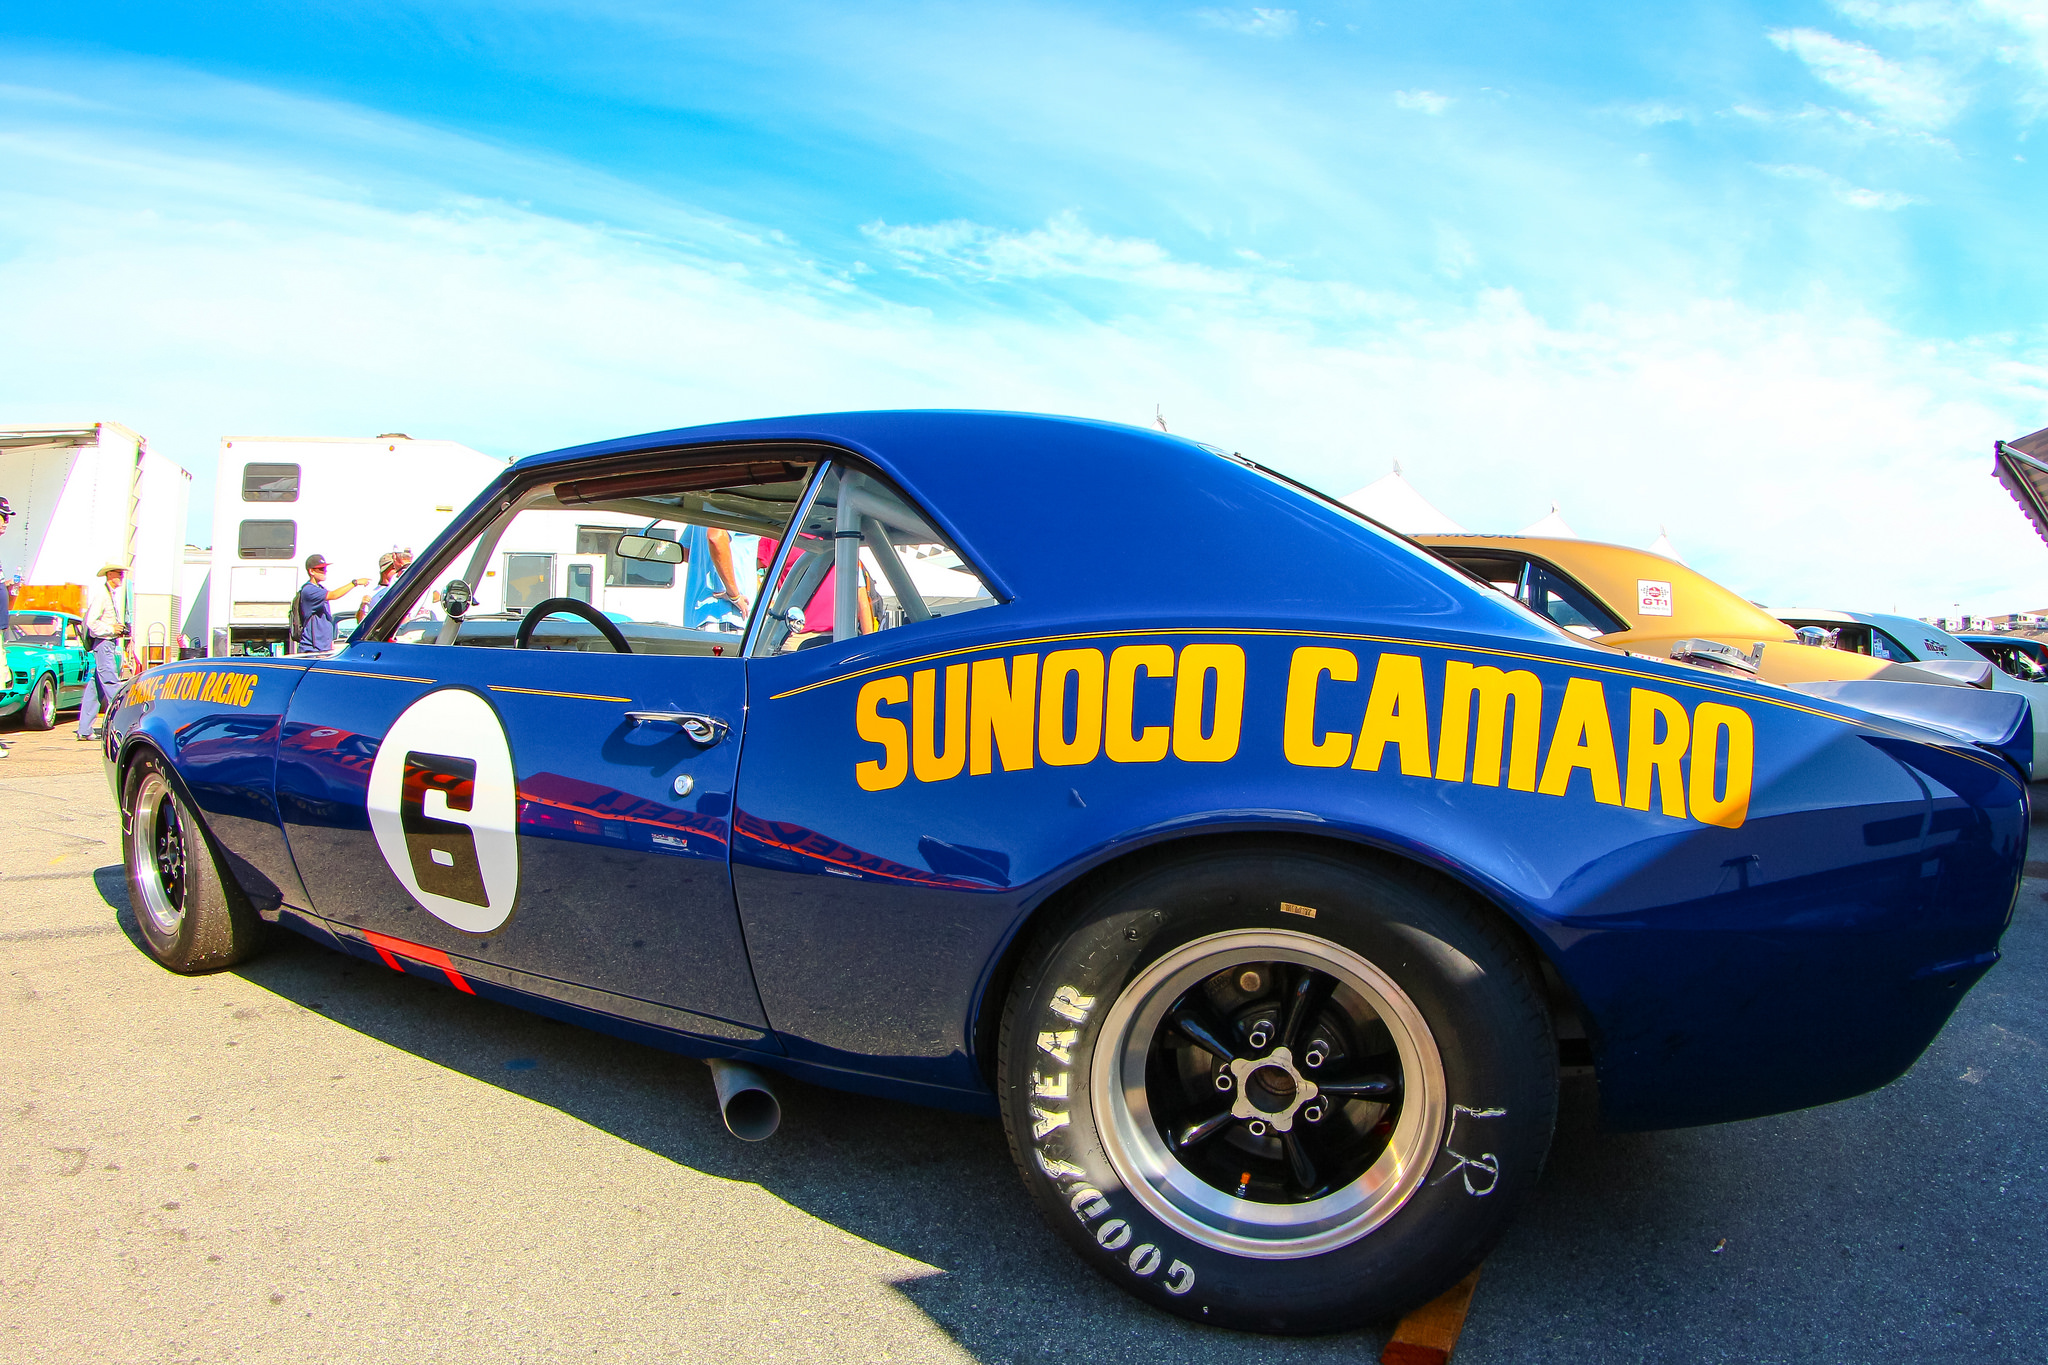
190,920
39,712
1278,1090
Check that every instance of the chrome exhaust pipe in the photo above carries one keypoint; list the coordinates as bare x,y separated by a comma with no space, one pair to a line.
749,1107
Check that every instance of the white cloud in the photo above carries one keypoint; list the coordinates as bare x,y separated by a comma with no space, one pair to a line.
1651,113
1422,101
1259,22
299,295
1919,95
1854,196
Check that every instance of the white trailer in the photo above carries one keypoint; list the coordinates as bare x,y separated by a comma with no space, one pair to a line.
280,499
87,496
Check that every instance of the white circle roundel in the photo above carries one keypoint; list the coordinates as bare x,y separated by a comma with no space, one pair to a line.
444,807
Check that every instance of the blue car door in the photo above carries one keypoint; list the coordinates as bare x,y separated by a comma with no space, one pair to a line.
544,817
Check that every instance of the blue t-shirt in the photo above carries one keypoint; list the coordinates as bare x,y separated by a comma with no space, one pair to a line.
703,608
318,618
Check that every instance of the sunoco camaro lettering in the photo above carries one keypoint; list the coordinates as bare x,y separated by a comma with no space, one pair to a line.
1248,861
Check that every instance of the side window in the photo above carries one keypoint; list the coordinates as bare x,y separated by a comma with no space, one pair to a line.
268,540
1565,602
864,560
666,557
270,483
1883,646
74,635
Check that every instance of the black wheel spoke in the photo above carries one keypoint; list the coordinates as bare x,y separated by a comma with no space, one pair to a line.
1361,1088
1311,989
1207,1128
1200,1027
1300,1163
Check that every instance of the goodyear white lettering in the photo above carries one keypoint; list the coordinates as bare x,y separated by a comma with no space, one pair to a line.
1058,1046
1044,1121
1069,1003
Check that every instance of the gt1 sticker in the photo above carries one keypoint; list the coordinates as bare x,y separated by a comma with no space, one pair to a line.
444,807
1652,597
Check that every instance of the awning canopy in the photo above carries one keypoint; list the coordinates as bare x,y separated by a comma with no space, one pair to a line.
2022,466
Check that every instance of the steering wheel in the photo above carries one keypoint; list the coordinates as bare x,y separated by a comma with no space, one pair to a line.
605,626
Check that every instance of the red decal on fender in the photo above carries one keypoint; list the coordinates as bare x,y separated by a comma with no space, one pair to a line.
391,949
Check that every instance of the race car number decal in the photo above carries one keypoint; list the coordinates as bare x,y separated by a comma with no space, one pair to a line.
444,807
1460,722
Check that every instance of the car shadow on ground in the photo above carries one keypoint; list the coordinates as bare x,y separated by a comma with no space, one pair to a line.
934,1186
1862,1230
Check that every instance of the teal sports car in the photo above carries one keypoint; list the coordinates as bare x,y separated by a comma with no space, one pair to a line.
47,662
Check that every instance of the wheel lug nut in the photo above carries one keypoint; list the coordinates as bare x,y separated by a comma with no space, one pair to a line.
1313,1111
1260,1036
1257,1127
1223,1080
1315,1056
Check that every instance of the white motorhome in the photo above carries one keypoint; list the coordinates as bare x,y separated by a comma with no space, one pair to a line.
86,496
280,499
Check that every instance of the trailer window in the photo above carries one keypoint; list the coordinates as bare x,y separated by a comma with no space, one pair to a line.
270,483
269,539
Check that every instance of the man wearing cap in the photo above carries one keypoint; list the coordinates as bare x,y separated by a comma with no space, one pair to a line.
390,568
106,629
312,619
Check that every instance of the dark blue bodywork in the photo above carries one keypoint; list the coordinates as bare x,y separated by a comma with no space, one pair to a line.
825,903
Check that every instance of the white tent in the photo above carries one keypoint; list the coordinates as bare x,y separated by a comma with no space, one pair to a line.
1393,501
1663,546
1552,526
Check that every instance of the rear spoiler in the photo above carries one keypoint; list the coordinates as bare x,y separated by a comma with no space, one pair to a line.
2001,722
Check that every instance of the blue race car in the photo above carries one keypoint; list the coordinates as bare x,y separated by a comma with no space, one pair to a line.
1255,866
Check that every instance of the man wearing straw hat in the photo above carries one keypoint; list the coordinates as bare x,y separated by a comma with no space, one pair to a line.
106,627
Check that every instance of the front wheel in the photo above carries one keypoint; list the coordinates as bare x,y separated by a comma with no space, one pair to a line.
190,921
40,711
1279,1091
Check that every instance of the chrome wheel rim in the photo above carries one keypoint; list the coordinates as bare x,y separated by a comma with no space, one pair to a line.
1278,1142
46,710
157,849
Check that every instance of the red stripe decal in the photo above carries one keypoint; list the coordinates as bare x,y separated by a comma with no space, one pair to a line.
391,949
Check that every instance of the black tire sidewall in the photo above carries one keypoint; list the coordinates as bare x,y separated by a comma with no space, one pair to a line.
210,933
1463,972
40,712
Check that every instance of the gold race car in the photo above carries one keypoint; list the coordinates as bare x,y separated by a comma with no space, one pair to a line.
1647,604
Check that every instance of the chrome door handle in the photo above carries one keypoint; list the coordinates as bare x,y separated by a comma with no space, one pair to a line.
703,729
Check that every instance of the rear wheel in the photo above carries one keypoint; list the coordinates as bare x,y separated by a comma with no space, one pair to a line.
40,711
1279,1091
190,921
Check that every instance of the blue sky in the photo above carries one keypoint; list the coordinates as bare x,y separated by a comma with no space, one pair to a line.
1766,276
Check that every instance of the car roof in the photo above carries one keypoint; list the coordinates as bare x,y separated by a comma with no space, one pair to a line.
1078,518
1613,572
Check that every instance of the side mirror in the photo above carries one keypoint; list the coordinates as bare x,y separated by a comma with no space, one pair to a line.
650,549
795,617
456,597
1818,637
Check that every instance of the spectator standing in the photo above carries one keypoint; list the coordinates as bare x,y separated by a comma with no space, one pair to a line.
6,600
312,630
390,568
106,631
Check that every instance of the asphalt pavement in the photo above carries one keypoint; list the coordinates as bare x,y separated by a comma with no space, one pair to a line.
310,1158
